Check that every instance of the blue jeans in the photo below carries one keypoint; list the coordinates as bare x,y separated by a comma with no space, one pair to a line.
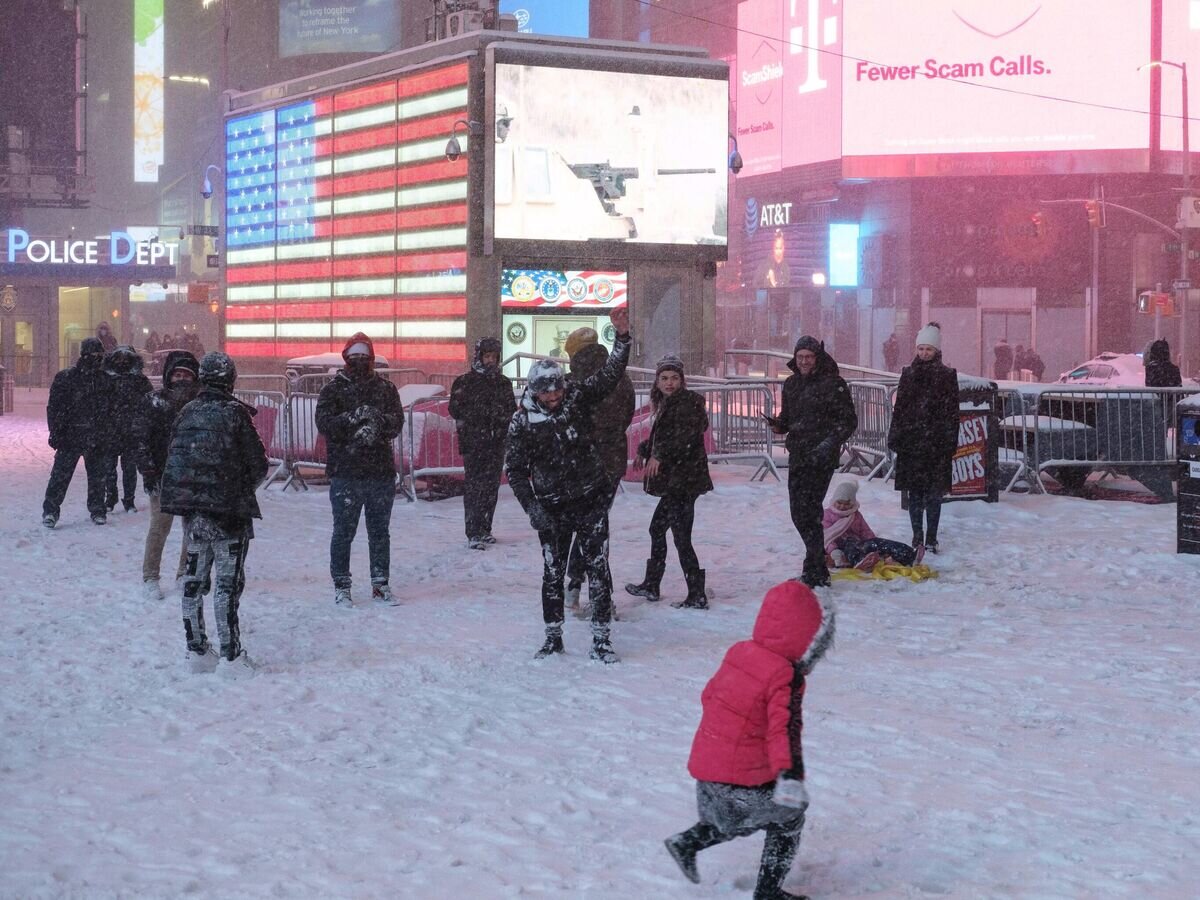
348,497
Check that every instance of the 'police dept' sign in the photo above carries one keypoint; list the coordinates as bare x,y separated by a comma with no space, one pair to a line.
122,250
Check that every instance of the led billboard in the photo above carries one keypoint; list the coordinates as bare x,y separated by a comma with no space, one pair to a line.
975,86
1180,44
349,26
631,157
148,27
562,17
558,289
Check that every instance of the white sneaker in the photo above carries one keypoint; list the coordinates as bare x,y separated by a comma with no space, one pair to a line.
241,666
382,594
151,592
202,663
341,597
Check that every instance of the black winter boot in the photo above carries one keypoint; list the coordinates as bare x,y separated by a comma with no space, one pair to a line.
696,598
602,650
553,642
779,850
650,584
684,846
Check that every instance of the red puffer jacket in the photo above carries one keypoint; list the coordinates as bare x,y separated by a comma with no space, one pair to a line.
743,733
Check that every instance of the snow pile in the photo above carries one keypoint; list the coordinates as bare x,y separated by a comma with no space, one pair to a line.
1023,726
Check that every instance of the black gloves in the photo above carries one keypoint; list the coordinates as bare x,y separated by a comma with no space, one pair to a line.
539,518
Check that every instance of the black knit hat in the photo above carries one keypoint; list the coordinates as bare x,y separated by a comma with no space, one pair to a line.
669,363
808,342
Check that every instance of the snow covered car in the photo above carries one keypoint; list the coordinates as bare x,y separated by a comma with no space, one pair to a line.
1112,369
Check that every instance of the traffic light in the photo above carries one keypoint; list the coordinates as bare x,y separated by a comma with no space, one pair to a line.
1039,223
1095,214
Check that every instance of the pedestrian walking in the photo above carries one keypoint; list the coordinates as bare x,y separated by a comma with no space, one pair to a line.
558,477
607,424
1160,371
747,757
77,414
891,352
676,471
924,435
360,415
214,465
817,415
1002,367
129,387
482,404
153,425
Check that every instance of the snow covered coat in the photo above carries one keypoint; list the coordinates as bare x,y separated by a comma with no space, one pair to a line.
552,460
817,413
129,387
155,417
216,459
610,417
677,442
482,404
924,431
80,403
1160,371
360,445
750,728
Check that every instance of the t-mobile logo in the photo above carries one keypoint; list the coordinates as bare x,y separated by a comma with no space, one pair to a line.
819,29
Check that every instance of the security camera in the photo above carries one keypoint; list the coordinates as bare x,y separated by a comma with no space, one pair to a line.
735,162
207,190
453,149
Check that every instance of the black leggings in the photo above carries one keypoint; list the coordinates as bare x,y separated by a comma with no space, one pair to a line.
925,503
675,514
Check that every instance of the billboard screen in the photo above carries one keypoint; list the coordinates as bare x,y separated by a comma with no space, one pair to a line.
558,289
148,125
928,83
633,157
1181,44
568,18
349,26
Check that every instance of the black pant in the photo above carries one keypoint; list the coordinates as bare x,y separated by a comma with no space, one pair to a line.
95,463
588,524
481,488
675,514
576,569
856,550
349,497
925,511
806,497
126,456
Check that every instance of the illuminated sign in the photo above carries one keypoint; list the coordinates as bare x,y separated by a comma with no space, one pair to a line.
147,89
122,250
562,17
348,26
843,255
541,288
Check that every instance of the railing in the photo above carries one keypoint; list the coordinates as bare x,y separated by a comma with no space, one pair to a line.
738,366
867,450
6,393
271,423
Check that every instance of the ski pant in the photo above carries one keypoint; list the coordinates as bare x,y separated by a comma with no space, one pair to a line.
156,539
675,514
481,487
126,455
576,569
349,497
95,462
736,811
225,557
589,525
806,498
925,511
855,550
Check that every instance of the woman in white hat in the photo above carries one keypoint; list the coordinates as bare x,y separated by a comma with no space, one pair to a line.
924,434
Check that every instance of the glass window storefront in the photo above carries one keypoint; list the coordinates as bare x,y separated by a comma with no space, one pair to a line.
80,311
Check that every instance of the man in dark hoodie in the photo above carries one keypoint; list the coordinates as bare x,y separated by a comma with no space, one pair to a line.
1160,371
817,415
558,477
360,416
129,386
608,423
482,404
78,412
214,465
153,424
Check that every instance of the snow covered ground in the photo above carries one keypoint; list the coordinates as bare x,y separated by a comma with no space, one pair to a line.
1025,726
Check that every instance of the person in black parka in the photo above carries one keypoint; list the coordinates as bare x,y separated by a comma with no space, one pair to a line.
130,386
78,414
1002,368
1160,371
676,467
214,466
360,415
817,415
153,425
924,435
558,477
482,404
609,420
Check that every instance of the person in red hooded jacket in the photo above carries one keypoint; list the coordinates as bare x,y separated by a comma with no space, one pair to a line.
746,756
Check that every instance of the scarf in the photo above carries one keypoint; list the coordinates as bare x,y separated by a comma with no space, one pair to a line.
843,523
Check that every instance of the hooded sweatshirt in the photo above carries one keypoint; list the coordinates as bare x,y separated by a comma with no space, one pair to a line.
156,414
81,400
482,403
816,409
750,727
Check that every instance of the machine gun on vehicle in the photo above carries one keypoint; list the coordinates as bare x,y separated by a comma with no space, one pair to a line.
609,181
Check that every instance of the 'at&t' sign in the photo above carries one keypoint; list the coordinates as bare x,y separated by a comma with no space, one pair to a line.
122,250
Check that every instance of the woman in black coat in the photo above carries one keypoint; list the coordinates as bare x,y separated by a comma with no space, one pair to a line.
924,435
677,473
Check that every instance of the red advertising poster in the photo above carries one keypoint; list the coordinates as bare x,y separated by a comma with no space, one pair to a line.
759,79
812,81
969,470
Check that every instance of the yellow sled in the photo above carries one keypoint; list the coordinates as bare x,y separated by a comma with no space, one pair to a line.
887,572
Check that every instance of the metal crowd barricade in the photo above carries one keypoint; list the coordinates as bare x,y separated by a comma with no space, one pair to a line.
271,423
432,442
305,443
736,416
867,449
1016,447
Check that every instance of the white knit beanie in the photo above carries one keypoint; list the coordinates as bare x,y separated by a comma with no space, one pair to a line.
931,335
845,490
